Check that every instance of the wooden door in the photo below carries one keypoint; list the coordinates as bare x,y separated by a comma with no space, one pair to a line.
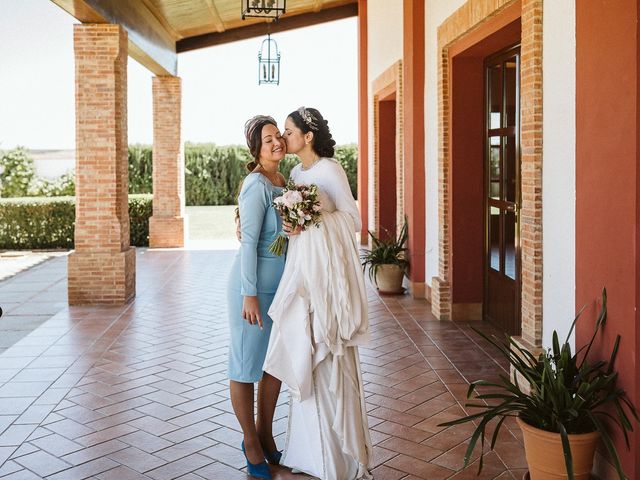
501,304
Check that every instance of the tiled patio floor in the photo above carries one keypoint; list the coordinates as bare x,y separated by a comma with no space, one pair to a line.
140,391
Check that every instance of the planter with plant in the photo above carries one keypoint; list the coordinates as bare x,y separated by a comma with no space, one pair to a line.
386,261
567,401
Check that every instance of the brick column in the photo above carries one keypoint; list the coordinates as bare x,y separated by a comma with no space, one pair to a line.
102,268
167,225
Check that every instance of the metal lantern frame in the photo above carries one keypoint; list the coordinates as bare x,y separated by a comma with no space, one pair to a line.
269,65
263,8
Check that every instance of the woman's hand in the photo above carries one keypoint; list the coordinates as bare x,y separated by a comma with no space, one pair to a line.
238,227
288,229
251,311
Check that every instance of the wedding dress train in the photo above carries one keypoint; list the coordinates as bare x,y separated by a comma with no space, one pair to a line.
319,319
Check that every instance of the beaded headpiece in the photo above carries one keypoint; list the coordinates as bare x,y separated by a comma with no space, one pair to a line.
252,123
308,118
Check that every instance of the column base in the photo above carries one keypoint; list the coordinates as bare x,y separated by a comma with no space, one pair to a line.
440,299
466,312
167,232
417,289
97,278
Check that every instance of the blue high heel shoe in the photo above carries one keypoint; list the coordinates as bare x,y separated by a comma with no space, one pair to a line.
274,457
257,470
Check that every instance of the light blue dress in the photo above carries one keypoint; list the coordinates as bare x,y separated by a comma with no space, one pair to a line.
255,271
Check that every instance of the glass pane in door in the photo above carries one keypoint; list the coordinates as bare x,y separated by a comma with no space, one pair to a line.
494,239
495,96
510,245
510,88
494,167
510,172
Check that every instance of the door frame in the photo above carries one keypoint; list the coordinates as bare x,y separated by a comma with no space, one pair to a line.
502,55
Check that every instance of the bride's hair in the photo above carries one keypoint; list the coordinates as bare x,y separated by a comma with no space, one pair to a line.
253,134
310,120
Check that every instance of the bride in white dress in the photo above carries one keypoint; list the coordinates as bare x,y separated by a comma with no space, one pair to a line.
320,317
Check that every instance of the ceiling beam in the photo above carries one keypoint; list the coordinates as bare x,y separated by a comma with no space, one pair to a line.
149,41
259,29
215,15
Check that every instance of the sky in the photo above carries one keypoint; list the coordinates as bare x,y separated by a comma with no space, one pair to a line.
220,88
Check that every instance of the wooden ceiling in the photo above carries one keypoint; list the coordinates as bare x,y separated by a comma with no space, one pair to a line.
159,29
189,18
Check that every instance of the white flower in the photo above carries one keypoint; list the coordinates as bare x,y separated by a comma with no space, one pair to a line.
291,197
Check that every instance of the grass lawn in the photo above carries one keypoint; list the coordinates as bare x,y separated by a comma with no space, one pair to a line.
207,223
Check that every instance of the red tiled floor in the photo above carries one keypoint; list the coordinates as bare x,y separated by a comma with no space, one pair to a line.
140,391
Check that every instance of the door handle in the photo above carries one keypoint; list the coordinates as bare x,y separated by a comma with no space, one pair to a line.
513,208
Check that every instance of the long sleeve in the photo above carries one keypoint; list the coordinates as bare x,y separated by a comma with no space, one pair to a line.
252,203
342,196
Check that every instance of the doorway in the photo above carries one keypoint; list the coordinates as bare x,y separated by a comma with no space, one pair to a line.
387,173
501,304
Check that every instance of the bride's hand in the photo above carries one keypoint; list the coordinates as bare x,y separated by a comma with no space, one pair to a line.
288,229
251,311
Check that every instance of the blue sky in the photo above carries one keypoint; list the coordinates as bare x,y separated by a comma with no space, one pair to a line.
220,90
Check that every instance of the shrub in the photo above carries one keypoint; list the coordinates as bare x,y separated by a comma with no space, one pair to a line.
37,222
140,168
212,174
47,223
63,186
17,171
140,210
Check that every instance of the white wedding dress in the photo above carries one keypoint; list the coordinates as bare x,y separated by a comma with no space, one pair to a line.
319,318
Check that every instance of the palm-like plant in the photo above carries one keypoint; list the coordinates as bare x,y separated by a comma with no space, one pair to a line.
568,394
390,251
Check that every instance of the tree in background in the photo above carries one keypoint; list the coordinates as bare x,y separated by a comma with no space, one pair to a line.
17,172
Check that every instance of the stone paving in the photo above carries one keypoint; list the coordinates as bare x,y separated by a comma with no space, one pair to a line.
30,298
140,391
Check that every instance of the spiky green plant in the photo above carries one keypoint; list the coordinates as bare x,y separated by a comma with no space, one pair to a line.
568,394
390,251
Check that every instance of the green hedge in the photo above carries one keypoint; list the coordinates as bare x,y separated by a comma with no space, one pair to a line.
213,174
48,223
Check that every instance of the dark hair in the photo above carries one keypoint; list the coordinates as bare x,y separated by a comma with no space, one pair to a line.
254,138
323,142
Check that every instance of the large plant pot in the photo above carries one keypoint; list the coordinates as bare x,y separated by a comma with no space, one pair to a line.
389,278
545,458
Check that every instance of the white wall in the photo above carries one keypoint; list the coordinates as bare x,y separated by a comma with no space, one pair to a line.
436,12
559,166
384,41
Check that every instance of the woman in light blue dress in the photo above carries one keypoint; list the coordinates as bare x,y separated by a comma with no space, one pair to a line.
253,281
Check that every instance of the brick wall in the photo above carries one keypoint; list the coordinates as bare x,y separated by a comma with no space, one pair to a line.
102,268
167,225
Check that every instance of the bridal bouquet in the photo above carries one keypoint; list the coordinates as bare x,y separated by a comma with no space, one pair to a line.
298,205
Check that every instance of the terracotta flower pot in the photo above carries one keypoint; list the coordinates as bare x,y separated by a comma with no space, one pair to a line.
545,458
389,278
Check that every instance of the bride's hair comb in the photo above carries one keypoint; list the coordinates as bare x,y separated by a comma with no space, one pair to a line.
307,117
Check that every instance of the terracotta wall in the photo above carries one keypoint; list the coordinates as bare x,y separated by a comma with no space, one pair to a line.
387,181
607,179
467,177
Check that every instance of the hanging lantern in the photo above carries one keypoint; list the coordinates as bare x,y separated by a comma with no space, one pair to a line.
263,8
269,62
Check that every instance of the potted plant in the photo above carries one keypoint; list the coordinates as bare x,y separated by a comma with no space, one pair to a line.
564,405
386,261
